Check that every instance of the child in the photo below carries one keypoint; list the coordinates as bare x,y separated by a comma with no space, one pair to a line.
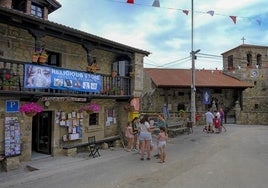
129,135
162,141
217,122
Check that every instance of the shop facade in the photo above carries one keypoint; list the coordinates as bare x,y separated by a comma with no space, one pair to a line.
78,70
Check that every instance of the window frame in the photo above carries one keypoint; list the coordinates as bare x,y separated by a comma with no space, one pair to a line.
37,10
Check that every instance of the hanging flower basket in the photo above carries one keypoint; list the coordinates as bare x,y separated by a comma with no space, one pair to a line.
31,109
92,68
30,114
90,108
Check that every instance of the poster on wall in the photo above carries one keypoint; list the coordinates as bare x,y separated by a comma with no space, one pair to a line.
47,77
206,96
12,137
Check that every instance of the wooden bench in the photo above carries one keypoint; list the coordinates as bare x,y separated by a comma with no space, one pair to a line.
72,150
175,128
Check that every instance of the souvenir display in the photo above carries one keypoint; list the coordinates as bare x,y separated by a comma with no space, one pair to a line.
12,137
73,123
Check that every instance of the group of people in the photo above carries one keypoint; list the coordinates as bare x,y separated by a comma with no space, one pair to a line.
139,136
214,121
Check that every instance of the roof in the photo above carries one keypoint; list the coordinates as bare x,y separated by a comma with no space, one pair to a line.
183,78
245,46
60,29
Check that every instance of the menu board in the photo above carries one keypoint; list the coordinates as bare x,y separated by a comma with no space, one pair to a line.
12,137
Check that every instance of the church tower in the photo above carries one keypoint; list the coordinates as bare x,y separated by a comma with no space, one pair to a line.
250,63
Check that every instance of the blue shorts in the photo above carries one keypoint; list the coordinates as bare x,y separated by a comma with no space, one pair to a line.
145,136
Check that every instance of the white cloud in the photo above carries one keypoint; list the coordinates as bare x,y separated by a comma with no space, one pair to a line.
166,31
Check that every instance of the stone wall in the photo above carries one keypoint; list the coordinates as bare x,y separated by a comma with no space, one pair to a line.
254,109
17,44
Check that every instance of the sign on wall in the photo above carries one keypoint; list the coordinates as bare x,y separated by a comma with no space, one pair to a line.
55,78
206,96
12,106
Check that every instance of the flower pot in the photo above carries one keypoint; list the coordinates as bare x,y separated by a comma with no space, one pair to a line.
35,58
114,74
89,111
30,114
42,59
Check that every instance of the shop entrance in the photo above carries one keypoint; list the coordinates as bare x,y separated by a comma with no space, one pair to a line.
41,132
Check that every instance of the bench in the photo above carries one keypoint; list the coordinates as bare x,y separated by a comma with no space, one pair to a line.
175,128
72,150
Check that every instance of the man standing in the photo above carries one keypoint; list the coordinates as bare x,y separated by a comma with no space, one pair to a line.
209,121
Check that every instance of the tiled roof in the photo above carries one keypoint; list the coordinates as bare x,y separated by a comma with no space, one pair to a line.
183,78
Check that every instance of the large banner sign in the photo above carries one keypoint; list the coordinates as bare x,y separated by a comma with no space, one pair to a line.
206,96
55,78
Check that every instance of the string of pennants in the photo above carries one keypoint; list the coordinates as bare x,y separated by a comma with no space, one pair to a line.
156,3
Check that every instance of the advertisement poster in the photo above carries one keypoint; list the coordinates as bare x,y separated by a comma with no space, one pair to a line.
55,78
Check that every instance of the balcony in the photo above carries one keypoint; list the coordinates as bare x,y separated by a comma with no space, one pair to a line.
12,75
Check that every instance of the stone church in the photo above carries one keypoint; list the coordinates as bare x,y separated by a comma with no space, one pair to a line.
240,88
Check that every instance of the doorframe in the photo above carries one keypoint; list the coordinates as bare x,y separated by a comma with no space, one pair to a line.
42,124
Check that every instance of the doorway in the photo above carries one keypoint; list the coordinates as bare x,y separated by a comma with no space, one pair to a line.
42,132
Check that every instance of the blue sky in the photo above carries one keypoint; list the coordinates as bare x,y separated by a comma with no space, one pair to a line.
165,32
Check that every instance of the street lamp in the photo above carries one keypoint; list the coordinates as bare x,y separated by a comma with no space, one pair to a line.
193,90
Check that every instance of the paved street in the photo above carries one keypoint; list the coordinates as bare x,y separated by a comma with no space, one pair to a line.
237,158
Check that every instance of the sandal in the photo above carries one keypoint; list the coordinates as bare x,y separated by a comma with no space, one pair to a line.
142,159
148,158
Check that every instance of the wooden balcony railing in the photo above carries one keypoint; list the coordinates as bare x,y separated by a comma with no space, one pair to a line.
12,77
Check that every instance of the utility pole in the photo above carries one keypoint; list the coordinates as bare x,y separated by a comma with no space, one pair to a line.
193,89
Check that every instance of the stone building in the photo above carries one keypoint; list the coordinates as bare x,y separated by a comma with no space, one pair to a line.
80,69
249,63
240,88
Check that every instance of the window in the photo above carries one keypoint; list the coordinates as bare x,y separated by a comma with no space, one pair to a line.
230,62
19,5
36,11
53,59
259,60
93,119
121,67
249,59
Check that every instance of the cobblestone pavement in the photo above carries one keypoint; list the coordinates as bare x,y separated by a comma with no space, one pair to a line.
236,158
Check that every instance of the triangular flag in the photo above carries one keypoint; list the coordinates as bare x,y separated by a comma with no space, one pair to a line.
186,12
211,12
130,1
258,21
156,3
233,18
